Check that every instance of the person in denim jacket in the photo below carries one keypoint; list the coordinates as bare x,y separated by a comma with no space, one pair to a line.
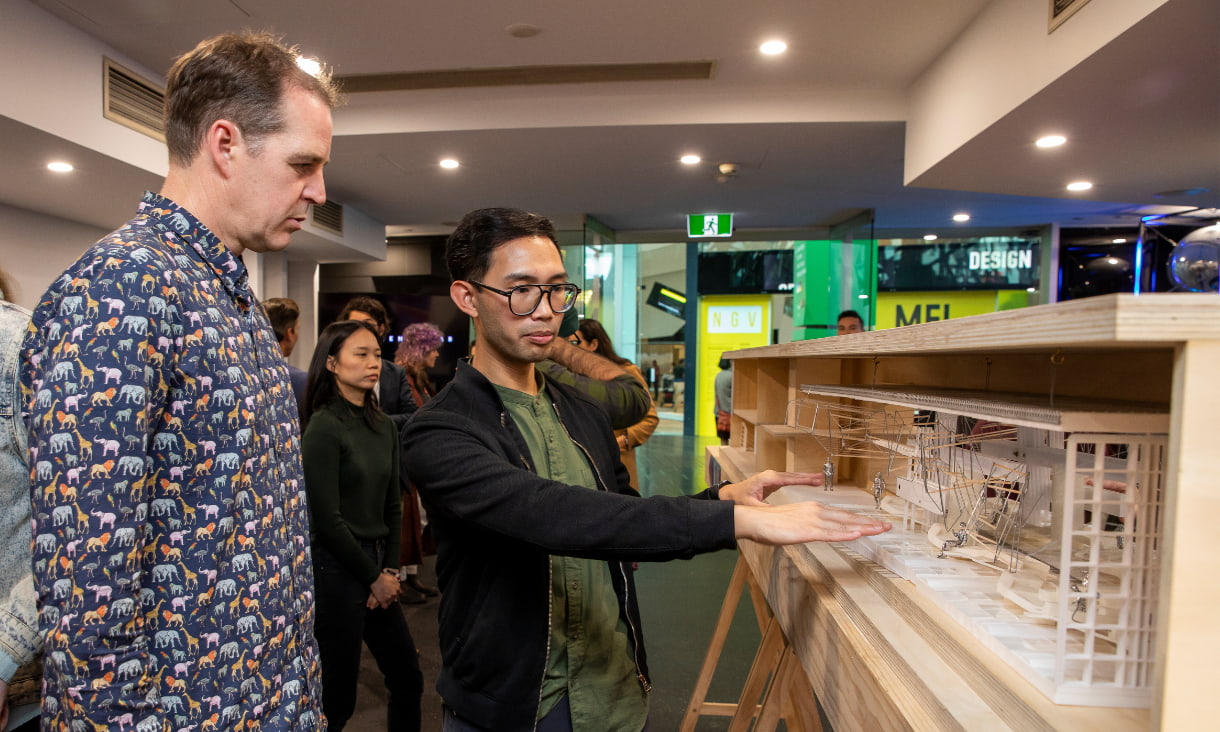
20,643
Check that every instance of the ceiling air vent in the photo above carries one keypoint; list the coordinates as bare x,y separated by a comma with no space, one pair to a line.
528,75
132,101
328,216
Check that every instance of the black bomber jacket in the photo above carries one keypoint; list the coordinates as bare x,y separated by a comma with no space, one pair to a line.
496,524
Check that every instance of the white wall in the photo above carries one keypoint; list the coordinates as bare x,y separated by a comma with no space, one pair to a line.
52,80
1004,58
35,249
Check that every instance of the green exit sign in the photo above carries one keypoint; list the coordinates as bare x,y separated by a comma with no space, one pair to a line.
703,225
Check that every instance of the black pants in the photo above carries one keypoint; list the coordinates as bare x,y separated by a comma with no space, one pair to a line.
344,622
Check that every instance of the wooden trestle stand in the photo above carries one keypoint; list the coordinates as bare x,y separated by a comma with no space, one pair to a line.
787,695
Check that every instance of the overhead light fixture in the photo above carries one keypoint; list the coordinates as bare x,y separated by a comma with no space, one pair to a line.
690,159
60,167
1080,185
1050,141
522,30
961,217
449,163
861,297
773,48
930,237
1119,240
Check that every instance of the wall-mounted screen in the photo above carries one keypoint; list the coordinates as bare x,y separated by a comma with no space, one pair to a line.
667,299
1000,264
746,272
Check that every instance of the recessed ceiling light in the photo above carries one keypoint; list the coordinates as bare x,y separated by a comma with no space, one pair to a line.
690,159
773,48
961,217
1119,240
861,297
1050,141
522,30
449,163
1080,185
60,167
930,237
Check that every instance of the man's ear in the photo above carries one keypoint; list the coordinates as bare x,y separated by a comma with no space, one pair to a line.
222,141
462,293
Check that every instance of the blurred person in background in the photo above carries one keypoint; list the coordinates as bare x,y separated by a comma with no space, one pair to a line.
285,317
723,388
591,336
848,322
392,392
418,351
20,643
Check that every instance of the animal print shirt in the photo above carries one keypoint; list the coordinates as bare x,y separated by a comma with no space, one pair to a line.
171,533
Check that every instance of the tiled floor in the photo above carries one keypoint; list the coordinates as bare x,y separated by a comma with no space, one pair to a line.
679,602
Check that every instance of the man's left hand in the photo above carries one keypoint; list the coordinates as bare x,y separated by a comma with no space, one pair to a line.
753,491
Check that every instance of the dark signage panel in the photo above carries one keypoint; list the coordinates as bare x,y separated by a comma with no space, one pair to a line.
1008,264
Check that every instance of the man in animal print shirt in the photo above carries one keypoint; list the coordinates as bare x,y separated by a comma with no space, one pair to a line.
171,539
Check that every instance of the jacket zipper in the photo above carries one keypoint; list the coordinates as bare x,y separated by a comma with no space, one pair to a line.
635,634
550,578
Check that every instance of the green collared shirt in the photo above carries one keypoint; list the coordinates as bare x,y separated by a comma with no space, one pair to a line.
590,658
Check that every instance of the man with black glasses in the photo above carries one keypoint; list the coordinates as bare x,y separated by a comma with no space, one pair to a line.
535,520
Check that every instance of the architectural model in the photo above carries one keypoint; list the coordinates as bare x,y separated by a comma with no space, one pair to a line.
1037,526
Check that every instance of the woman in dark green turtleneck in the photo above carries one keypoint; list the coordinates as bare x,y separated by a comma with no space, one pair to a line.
350,453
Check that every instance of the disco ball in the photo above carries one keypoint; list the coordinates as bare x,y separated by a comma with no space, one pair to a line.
1194,264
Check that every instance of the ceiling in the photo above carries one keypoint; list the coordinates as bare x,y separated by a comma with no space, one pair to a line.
816,134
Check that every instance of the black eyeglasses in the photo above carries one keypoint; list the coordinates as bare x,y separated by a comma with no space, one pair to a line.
525,299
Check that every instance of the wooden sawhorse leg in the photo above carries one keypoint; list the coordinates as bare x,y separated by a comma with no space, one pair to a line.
774,660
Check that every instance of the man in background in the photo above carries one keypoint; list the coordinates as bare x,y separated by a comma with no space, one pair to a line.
171,552
849,321
285,317
393,390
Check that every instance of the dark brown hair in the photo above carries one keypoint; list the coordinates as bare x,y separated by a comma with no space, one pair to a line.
283,312
592,330
241,77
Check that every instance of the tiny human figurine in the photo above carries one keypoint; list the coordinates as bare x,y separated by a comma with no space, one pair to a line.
878,488
829,471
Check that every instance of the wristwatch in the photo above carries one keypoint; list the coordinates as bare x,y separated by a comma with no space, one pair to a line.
720,485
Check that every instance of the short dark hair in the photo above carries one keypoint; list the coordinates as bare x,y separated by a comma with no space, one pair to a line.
322,388
366,304
468,250
283,312
241,77
850,314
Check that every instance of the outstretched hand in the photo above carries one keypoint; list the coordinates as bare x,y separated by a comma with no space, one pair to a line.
792,523
754,490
